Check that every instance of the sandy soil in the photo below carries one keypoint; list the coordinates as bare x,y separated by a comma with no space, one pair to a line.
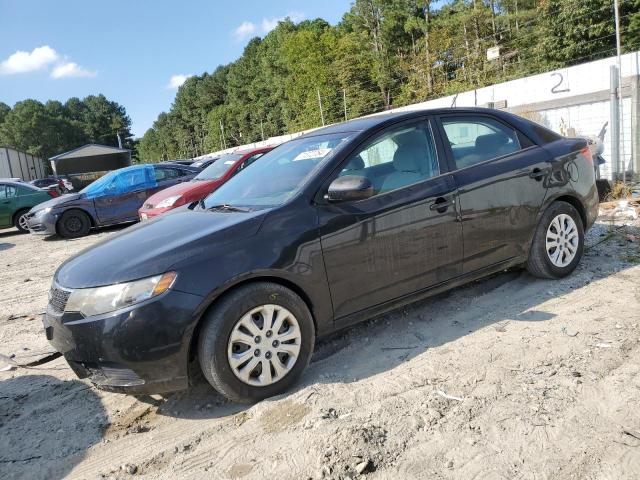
507,378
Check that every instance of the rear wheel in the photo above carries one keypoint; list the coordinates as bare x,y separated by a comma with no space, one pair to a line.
558,242
256,342
20,220
74,224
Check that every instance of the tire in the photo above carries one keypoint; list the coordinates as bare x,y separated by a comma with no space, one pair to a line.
548,262
19,220
222,324
73,224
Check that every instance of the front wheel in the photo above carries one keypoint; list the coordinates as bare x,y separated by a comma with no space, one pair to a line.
256,342
558,242
20,221
74,224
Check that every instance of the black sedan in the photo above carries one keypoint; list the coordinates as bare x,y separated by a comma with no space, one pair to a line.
325,231
113,198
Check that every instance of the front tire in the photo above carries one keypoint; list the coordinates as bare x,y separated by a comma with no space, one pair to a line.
20,220
558,242
74,224
256,342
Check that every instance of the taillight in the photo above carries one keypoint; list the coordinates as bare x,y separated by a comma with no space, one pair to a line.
587,154
53,193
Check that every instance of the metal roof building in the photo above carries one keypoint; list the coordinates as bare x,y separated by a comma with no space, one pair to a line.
90,158
17,164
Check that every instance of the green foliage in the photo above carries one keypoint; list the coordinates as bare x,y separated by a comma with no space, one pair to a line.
51,128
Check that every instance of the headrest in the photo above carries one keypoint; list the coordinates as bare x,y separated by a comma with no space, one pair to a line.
491,141
411,152
356,163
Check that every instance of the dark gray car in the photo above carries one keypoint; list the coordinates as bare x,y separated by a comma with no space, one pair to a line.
112,199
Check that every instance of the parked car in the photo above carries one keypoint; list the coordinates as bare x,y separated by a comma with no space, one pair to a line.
63,183
202,185
16,199
323,232
202,164
112,199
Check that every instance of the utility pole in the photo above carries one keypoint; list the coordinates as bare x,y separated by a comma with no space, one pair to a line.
344,100
616,7
119,139
224,142
320,104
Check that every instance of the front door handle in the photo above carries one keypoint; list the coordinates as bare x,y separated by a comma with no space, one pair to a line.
441,205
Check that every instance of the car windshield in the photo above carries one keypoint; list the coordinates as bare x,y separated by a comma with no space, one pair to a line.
218,168
279,174
100,184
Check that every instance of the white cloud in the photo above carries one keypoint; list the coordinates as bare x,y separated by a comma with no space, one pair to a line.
248,29
23,62
71,69
176,81
269,24
245,30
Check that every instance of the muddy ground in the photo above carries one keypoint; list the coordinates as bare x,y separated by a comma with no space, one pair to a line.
508,378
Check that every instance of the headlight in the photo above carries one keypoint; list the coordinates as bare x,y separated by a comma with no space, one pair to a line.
96,301
169,201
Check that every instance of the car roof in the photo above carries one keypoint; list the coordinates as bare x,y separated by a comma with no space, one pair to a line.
379,120
17,184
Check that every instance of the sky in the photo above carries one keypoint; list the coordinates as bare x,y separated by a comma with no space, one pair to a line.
136,52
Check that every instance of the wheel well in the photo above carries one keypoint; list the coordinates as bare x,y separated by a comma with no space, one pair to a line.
193,345
577,204
91,219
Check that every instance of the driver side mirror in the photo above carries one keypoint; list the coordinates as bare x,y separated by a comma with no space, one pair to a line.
349,188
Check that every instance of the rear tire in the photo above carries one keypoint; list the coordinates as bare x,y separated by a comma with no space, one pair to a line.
74,224
558,242
20,221
235,343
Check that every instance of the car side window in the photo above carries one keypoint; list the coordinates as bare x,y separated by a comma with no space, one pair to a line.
8,191
475,140
396,158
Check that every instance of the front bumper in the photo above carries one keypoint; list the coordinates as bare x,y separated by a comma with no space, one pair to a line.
42,224
143,349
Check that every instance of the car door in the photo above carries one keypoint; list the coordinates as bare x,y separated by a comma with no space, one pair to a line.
8,200
406,237
500,178
120,201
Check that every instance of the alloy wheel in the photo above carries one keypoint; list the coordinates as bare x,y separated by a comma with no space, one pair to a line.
22,221
562,240
264,345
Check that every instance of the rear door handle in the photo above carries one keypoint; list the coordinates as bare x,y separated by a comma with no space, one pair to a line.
538,173
441,204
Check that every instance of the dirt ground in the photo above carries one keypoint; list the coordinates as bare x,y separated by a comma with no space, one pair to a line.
508,378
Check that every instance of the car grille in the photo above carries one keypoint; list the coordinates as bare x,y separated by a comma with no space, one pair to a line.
58,299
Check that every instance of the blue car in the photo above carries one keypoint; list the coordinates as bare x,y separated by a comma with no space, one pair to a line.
112,199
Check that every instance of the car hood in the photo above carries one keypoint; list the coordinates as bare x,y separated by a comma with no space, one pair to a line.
58,201
191,191
155,246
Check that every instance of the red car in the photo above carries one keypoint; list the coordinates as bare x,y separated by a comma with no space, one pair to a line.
202,185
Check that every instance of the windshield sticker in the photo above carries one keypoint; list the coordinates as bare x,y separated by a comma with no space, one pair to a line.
308,155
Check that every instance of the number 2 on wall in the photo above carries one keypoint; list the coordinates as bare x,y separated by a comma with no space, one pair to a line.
555,88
